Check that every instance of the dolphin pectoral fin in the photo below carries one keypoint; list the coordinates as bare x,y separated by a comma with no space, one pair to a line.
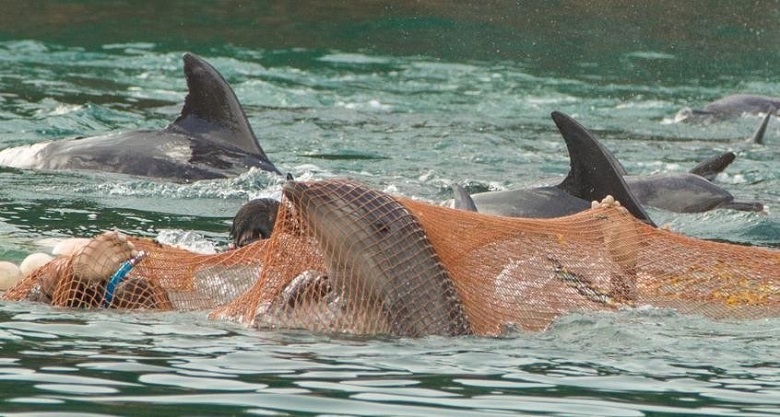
463,200
595,172
710,168
212,111
758,135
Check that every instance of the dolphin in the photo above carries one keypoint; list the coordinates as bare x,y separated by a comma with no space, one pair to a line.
254,221
685,193
210,139
595,173
358,230
463,200
731,106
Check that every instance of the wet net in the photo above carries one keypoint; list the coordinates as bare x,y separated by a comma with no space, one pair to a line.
346,258
165,278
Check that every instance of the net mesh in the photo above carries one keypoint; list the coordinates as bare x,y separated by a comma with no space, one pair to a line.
346,258
168,278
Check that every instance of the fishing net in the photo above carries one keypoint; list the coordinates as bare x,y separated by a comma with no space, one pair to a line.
346,258
164,278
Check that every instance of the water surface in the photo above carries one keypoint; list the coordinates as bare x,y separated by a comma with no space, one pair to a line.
409,98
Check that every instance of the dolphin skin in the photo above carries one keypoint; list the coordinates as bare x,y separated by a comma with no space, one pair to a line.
210,139
594,174
359,229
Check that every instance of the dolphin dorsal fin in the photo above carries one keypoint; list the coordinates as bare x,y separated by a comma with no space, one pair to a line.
595,172
758,135
212,110
710,168
462,200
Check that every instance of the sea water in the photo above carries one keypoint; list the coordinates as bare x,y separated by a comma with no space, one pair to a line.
409,99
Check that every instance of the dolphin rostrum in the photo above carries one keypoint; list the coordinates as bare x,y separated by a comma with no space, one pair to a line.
210,139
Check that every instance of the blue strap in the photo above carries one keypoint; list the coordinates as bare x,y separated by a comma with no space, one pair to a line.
115,280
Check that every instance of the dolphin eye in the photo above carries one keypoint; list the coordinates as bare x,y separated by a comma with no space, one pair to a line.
381,227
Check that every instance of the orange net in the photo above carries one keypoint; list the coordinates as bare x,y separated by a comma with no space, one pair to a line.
345,258
167,278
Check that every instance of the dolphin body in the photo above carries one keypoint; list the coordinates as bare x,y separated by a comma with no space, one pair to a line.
692,191
210,139
595,173
734,105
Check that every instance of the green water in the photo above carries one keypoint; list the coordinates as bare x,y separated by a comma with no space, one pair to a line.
408,97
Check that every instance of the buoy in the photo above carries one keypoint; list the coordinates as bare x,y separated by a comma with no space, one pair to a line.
10,274
33,262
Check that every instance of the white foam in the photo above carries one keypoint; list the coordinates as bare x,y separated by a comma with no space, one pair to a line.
22,156
189,240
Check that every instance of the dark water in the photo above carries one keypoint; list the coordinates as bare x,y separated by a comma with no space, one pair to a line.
408,97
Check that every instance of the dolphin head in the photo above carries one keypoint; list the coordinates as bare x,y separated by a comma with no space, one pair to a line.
254,221
335,209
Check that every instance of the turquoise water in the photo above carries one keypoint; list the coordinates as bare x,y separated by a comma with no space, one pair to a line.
408,98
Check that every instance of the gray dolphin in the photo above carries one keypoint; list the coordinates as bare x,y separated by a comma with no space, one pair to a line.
685,193
358,230
254,221
210,139
731,106
592,176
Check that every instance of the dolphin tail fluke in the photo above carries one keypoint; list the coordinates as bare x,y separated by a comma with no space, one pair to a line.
462,199
595,173
710,168
212,110
758,135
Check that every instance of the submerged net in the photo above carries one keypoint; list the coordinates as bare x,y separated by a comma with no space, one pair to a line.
346,258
